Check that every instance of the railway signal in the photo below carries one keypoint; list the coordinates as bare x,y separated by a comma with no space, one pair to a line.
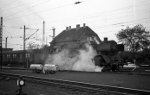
20,84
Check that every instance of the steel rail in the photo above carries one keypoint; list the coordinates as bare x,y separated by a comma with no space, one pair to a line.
75,84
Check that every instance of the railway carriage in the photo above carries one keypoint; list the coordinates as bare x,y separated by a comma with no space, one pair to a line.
16,58
13,58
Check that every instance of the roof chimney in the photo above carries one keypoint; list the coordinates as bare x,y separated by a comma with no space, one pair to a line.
84,24
69,28
105,39
77,26
66,28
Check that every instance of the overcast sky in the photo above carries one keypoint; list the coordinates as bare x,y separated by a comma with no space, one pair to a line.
105,17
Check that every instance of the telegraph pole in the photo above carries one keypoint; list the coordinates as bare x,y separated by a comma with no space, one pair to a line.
53,33
6,43
24,37
43,33
1,35
24,44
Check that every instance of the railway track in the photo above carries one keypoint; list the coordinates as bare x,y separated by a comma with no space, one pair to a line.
15,68
105,89
120,72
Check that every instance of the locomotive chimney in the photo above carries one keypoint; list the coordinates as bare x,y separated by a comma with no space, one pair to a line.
105,39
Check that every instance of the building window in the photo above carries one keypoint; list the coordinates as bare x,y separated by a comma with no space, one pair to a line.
8,55
14,55
27,55
92,38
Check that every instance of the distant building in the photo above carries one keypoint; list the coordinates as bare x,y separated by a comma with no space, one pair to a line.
73,38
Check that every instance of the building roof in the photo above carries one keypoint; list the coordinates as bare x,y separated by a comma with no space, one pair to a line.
7,49
74,34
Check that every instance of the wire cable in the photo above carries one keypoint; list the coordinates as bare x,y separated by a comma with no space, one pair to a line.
24,9
65,5
9,3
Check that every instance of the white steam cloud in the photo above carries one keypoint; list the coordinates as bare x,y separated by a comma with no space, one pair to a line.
81,61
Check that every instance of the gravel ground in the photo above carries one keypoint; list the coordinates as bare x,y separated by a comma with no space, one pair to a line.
9,87
114,79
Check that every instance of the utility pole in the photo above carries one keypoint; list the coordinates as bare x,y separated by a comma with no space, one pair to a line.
43,33
24,38
6,43
53,32
46,40
24,44
1,35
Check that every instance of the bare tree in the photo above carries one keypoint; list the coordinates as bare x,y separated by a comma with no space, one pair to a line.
32,46
136,38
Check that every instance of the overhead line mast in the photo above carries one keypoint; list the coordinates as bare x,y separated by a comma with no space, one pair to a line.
43,33
24,44
1,35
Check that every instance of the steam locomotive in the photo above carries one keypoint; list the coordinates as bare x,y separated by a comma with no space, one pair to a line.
109,55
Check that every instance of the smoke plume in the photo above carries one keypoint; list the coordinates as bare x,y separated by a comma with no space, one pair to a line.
76,61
